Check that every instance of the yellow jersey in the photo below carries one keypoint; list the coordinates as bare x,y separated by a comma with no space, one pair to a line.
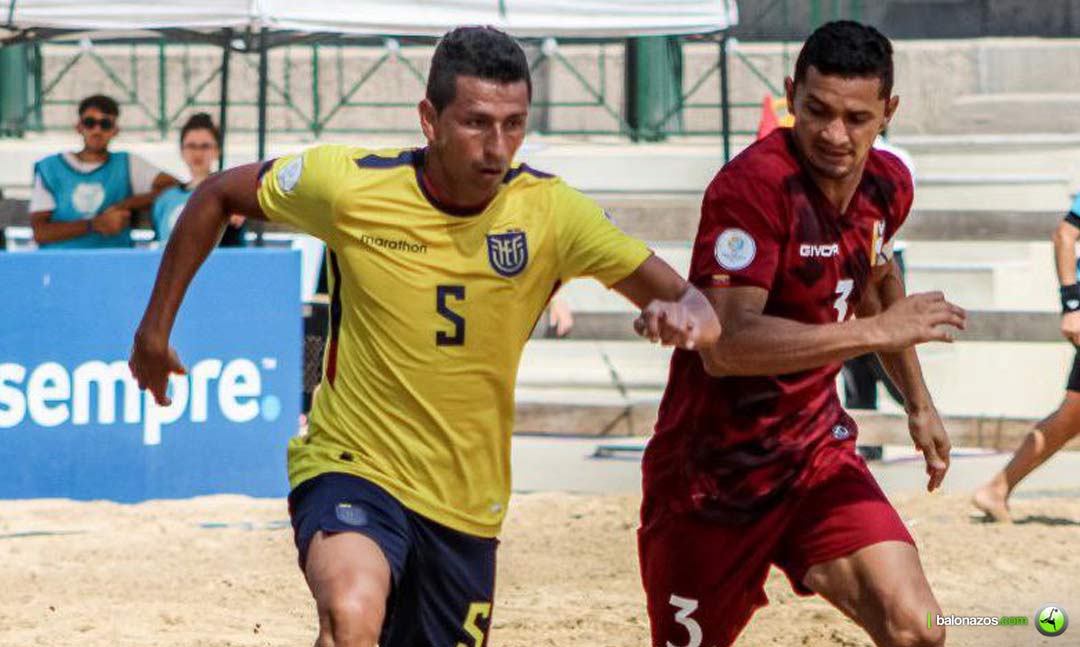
430,309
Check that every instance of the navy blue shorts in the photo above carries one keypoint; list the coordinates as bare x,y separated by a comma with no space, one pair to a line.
1074,376
443,580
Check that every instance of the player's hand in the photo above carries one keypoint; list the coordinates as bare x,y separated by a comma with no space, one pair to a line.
111,221
919,318
928,434
1070,327
152,362
686,324
560,317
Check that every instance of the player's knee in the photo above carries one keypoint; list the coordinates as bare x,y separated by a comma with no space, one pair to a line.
354,616
326,636
909,628
917,636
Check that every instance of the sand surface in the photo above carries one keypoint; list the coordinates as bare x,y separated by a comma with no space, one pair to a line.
222,571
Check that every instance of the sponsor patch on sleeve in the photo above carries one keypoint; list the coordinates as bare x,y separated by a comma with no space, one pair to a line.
289,175
735,250
881,251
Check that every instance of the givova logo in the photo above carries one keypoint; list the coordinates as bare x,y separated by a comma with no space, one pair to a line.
49,395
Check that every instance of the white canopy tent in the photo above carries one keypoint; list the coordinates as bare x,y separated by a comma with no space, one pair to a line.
259,25
522,18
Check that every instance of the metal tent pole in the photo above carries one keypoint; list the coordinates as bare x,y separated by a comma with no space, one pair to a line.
263,73
223,107
725,103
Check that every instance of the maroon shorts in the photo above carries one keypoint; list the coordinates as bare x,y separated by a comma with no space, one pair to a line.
704,580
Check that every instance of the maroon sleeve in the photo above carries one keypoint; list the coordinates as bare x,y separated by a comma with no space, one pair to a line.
739,237
903,192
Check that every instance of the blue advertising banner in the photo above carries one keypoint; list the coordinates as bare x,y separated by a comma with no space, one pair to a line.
74,424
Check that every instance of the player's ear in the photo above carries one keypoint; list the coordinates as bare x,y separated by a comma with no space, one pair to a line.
789,91
890,108
428,116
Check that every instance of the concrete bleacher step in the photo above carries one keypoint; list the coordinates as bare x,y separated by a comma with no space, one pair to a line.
578,365
1006,112
953,171
973,284
676,219
614,418
998,369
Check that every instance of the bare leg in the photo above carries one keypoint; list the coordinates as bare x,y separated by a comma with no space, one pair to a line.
884,590
350,580
1040,444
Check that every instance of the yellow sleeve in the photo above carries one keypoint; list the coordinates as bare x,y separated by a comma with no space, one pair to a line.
589,242
300,190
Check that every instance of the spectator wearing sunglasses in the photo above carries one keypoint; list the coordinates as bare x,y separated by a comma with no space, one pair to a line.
200,147
84,200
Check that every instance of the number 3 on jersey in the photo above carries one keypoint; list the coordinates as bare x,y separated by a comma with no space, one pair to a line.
686,606
843,293
442,294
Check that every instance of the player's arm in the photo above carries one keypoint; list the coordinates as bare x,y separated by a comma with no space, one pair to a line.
754,343
1065,237
47,231
673,312
145,199
117,216
197,231
903,367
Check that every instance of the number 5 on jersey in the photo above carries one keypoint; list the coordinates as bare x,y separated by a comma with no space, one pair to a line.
479,614
443,294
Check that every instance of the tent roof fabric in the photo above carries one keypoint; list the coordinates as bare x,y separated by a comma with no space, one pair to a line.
522,18
127,15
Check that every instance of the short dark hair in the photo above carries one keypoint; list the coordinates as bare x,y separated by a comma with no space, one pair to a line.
848,49
103,103
483,52
200,121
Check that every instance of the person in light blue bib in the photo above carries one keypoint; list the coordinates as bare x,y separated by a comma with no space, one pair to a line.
84,200
167,209
1055,430
200,146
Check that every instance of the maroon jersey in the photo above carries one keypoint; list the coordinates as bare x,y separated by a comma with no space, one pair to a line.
730,447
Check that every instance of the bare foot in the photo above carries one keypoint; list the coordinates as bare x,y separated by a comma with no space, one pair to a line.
992,502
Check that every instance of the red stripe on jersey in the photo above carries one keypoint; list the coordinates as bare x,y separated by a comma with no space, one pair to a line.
335,320
263,170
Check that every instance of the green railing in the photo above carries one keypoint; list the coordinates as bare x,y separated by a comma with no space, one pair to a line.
297,88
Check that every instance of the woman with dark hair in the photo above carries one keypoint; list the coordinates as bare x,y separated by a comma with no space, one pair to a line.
200,145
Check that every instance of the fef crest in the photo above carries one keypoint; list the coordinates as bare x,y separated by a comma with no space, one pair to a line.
508,253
